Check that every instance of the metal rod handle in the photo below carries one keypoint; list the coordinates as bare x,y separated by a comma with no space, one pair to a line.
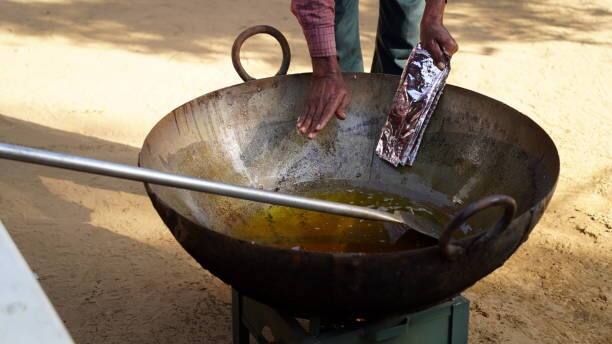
111,169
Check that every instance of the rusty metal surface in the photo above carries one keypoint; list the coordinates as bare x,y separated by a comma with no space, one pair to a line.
245,134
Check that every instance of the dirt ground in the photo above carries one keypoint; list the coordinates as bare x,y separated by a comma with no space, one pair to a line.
92,77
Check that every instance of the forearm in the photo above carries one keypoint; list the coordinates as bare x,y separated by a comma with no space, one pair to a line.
325,66
434,10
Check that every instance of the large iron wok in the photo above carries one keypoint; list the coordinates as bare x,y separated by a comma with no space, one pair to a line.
245,134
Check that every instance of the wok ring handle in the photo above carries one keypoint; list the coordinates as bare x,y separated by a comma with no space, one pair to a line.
451,250
244,35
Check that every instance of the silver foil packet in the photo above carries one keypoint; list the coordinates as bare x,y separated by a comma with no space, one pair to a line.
417,95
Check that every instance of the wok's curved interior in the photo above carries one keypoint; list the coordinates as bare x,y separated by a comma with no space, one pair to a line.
246,135
474,146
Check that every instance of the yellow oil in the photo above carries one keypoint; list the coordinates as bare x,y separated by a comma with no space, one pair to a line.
312,231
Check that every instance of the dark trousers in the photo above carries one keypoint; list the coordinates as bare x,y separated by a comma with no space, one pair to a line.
397,33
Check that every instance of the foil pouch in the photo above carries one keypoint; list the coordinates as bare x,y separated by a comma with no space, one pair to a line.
417,95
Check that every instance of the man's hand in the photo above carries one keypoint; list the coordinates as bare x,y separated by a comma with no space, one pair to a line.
328,96
435,38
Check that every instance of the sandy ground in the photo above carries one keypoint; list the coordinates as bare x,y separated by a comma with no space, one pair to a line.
92,77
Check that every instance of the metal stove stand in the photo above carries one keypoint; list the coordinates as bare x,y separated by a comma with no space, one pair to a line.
446,323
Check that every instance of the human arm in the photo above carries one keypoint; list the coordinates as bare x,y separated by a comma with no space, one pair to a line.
328,95
435,38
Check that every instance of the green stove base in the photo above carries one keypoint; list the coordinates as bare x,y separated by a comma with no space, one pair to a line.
446,323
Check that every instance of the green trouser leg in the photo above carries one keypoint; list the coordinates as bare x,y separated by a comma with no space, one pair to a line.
398,32
348,46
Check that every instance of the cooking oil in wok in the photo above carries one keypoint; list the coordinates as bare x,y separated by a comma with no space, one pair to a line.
313,231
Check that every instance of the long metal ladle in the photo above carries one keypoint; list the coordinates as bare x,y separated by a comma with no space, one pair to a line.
111,169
